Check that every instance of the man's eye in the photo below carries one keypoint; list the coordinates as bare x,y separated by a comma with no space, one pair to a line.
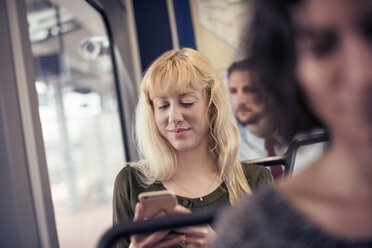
250,90
233,91
187,104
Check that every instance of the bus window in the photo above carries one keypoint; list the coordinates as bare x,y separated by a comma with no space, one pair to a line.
78,109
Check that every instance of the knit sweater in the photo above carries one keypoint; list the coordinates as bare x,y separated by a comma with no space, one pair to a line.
267,220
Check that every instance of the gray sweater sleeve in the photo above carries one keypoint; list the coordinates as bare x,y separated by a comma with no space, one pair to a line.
266,220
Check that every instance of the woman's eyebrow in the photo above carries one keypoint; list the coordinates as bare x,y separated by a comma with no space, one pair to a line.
190,93
309,31
317,35
159,97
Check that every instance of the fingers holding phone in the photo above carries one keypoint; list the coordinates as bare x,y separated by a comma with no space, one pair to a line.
195,236
157,239
153,205
156,201
160,203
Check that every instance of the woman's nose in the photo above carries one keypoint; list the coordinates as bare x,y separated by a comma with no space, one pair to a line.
175,114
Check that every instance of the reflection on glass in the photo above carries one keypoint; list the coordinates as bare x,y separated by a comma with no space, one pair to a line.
79,115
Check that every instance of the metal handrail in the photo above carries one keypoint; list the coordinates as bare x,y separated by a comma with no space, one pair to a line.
168,222
288,158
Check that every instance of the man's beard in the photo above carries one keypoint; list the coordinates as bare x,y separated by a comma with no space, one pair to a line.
254,119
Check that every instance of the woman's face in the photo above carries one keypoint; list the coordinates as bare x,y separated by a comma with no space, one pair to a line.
334,67
182,119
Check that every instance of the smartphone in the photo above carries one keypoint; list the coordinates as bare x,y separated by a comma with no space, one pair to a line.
156,201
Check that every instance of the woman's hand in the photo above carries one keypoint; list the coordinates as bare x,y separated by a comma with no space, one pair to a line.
154,240
195,236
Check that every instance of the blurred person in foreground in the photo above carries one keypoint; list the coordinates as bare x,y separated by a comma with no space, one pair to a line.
188,141
315,58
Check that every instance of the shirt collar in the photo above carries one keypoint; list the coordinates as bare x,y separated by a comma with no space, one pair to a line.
251,139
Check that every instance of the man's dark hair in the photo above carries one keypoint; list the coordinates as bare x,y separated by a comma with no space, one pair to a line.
271,45
242,65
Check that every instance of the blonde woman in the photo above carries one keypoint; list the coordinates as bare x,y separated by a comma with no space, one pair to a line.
188,141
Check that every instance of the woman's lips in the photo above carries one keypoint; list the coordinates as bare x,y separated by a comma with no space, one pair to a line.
179,132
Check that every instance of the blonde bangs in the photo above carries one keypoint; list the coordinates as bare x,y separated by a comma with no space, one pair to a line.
172,74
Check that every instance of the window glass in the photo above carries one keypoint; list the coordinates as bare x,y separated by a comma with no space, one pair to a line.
78,109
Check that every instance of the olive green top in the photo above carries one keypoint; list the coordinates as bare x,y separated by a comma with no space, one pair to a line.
128,186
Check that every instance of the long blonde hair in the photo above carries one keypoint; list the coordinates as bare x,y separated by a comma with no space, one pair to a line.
180,70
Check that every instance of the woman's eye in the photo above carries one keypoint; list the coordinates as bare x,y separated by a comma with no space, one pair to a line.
324,44
187,104
163,106
366,28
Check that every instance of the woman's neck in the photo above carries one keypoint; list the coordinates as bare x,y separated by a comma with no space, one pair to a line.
196,175
336,191
195,162
345,170
353,165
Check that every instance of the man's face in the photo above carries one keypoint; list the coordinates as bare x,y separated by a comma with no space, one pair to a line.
245,99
